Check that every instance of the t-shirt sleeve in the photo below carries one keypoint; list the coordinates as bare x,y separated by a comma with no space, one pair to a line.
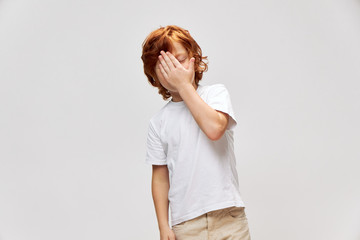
155,153
219,99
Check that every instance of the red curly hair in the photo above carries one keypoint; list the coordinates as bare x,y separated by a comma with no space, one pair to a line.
161,39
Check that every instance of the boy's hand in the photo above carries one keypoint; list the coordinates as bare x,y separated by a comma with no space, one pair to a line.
167,234
174,72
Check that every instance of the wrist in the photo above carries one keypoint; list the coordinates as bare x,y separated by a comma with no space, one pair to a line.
164,226
185,87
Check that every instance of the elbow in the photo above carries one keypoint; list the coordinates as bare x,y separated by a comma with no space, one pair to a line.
216,136
219,128
217,133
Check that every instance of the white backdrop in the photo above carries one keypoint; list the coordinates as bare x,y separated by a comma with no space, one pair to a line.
75,106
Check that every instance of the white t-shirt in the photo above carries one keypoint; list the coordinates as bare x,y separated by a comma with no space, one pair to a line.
202,172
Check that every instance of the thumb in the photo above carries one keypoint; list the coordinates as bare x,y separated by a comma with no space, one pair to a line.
192,64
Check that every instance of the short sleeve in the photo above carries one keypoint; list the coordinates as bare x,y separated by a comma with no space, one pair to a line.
219,99
155,154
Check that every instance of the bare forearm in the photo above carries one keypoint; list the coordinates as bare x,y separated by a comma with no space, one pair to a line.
209,120
160,190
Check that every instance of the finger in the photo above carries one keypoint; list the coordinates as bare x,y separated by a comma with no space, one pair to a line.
164,64
162,70
168,60
174,60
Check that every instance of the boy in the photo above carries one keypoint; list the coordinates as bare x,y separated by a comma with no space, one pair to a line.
190,144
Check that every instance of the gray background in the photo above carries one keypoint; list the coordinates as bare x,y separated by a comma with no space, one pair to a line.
75,106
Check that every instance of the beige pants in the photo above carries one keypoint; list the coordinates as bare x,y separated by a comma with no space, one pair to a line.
222,224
